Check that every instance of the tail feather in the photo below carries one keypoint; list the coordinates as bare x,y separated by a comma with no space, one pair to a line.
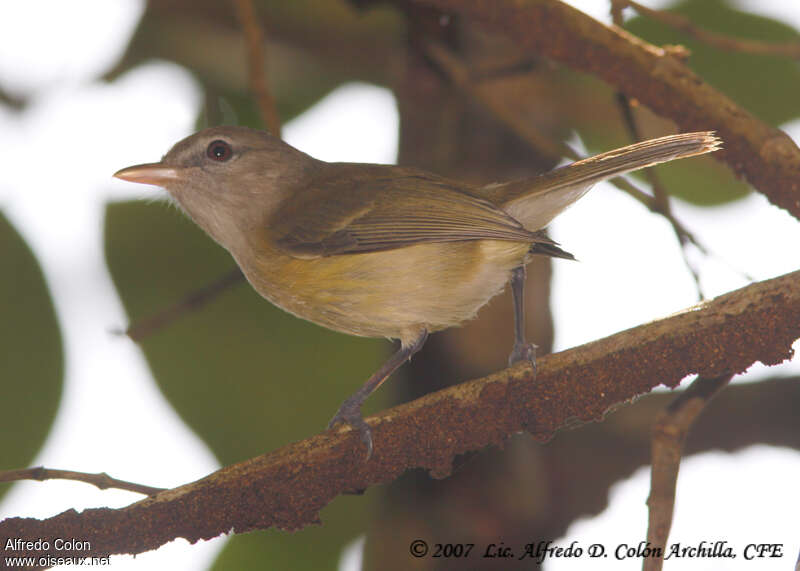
535,202
550,250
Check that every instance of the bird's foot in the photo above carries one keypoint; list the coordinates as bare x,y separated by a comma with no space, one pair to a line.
523,352
350,413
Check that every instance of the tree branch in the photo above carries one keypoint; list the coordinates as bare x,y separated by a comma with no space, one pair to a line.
661,198
254,38
765,156
288,487
190,302
669,436
101,479
254,42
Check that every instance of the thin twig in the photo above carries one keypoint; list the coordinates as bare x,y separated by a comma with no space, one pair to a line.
101,479
254,41
666,455
196,299
461,76
660,193
669,436
685,25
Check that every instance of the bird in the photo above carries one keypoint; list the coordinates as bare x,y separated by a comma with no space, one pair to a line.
380,250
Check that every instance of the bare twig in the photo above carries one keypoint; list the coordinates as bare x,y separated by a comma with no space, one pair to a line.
461,76
661,200
685,25
288,487
101,479
660,194
141,329
669,436
666,451
254,39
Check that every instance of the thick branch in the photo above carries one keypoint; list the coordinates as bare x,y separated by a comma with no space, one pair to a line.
288,487
765,156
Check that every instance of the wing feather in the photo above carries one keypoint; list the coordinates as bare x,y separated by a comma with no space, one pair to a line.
349,211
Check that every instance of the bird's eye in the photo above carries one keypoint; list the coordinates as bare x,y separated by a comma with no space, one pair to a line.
219,151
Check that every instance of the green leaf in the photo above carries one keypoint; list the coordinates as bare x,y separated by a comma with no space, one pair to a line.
767,86
31,359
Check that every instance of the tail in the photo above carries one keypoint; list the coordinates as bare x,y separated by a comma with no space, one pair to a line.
535,202
552,251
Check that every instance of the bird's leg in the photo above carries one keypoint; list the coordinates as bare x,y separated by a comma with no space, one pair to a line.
350,411
523,351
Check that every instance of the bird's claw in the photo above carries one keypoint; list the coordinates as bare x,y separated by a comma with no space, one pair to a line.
352,416
523,352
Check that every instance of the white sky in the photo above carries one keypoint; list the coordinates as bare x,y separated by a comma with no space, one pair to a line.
75,123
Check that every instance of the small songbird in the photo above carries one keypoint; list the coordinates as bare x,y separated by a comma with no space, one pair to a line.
379,250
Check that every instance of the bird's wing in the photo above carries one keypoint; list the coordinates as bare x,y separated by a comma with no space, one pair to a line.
388,208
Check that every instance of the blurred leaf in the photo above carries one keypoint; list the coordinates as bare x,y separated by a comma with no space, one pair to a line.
31,358
766,86
245,375
312,47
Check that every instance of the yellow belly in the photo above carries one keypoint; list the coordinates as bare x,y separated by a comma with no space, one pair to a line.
393,293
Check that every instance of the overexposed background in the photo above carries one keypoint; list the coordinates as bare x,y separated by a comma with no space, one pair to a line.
58,157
